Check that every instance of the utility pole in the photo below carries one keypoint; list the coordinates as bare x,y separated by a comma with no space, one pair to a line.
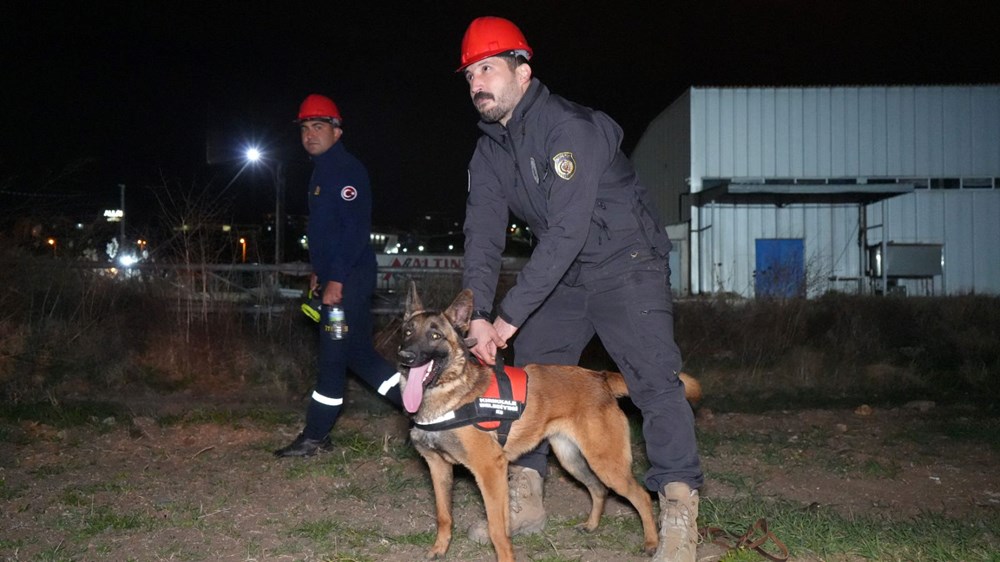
279,211
121,231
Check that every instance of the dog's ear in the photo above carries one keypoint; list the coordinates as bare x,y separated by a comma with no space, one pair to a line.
413,303
470,342
460,311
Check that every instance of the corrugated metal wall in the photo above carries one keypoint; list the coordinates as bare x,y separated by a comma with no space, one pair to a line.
662,159
844,132
829,232
966,222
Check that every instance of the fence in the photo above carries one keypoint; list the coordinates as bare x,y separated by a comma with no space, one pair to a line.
270,288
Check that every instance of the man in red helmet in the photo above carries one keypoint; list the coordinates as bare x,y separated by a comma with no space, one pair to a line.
600,266
344,271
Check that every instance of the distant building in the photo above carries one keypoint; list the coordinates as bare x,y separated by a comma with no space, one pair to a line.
784,191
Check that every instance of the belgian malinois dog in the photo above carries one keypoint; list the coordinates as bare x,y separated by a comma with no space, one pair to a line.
576,409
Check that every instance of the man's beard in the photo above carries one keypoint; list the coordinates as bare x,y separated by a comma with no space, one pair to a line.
497,111
493,114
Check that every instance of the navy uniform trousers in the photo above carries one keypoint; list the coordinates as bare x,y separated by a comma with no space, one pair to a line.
632,314
356,352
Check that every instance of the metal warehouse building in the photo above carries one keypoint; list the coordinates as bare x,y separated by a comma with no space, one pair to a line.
785,191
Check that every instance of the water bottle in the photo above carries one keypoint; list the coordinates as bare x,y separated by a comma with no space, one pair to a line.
335,323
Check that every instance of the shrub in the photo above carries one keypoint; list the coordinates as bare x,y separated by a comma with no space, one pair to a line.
68,331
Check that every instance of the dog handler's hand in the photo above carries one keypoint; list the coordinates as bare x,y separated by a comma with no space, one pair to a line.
505,330
487,341
333,293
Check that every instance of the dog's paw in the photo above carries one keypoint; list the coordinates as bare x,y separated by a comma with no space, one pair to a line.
440,547
434,554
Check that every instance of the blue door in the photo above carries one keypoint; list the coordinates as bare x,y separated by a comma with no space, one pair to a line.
781,271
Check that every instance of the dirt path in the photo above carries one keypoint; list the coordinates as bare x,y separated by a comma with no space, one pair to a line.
120,489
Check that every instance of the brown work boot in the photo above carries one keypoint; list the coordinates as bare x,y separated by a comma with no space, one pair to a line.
527,514
678,524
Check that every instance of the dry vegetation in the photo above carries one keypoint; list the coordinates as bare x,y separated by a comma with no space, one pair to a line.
136,424
72,332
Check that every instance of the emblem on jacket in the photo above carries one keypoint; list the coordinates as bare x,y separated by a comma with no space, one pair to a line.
316,191
565,165
348,193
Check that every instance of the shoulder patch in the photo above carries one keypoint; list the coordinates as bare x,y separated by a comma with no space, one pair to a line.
565,165
348,193
316,191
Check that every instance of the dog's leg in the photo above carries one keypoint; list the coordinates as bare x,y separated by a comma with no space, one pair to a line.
609,454
442,477
626,485
572,460
491,475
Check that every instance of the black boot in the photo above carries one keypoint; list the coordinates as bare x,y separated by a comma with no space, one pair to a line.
304,447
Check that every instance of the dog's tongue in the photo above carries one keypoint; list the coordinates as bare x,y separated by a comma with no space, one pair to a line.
413,392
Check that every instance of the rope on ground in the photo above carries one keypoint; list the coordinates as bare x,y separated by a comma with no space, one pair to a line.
753,539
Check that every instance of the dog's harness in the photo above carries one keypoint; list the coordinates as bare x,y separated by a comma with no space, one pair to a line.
496,410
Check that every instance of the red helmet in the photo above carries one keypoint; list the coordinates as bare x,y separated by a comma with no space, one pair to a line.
490,36
316,106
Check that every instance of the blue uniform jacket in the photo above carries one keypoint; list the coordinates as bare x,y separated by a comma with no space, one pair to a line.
340,215
559,167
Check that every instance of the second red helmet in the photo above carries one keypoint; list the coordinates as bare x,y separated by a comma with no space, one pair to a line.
317,106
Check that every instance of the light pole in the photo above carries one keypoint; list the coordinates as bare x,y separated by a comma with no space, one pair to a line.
121,231
279,212
254,155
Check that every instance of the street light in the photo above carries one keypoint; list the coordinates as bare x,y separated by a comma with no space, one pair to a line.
243,247
254,155
121,227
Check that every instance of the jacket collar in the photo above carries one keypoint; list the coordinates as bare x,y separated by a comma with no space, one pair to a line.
533,98
333,152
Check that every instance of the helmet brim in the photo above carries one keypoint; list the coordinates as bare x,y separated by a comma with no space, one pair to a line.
515,52
331,120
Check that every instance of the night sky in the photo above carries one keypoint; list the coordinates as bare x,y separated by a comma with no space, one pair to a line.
166,96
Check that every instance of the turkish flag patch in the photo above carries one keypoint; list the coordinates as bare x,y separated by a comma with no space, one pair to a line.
349,193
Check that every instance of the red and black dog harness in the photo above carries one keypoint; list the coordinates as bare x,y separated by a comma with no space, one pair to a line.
496,410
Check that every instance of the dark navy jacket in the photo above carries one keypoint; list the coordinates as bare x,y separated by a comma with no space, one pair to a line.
559,167
340,215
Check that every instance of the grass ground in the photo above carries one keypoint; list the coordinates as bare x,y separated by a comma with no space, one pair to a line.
185,479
